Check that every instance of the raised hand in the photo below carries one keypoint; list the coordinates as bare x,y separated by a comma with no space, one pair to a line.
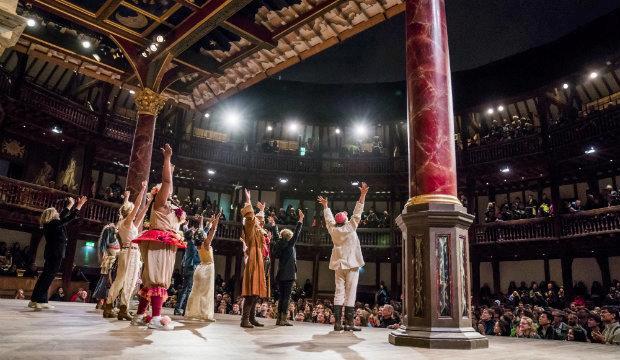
71,201
364,188
300,215
215,220
322,201
248,196
81,201
260,206
167,151
126,195
149,198
144,185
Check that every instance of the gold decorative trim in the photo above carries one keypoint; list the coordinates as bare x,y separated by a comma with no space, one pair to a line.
149,102
433,198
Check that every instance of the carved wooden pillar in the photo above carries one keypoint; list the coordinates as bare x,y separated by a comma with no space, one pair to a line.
434,223
149,104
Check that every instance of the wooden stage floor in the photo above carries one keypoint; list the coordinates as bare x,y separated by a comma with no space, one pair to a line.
77,331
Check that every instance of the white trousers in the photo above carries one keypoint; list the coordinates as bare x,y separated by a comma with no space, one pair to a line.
127,274
201,302
346,286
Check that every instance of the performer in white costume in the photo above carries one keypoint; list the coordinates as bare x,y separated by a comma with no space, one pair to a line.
346,258
129,264
200,304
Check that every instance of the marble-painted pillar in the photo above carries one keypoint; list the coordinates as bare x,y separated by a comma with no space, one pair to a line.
436,272
149,104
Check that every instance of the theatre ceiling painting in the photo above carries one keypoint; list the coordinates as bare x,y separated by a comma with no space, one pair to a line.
207,50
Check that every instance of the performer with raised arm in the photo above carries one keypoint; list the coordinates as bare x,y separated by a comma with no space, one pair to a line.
55,232
287,268
191,259
201,302
253,285
267,241
158,247
346,258
128,266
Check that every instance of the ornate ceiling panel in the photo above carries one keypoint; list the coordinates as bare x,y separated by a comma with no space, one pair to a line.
214,48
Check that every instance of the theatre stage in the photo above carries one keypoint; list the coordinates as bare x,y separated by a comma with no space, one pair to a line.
76,331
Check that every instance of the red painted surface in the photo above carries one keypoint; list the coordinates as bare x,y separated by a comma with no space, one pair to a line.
432,165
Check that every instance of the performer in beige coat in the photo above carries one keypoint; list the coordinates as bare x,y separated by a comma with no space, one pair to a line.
346,258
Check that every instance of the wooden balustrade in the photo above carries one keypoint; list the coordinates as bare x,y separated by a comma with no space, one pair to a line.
59,107
591,222
503,150
37,198
597,123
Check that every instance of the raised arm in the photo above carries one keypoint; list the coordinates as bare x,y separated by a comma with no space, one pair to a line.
166,179
142,212
132,215
297,232
327,213
247,212
214,222
359,207
70,212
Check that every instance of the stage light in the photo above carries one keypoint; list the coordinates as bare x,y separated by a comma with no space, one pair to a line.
500,108
159,38
31,22
207,115
153,47
293,126
490,111
269,128
505,170
355,183
593,75
132,92
565,86
283,180
360,130
232,118
144,54
337,131
590,151
211,172
56,129
86,44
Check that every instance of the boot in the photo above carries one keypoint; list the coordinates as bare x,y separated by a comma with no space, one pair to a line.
123,314
107,311
245,316
283,320
349,314
279,320
253,313
338,316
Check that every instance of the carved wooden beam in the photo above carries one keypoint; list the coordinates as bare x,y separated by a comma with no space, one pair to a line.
255,33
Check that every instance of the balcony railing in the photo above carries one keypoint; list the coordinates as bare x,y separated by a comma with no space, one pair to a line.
592,222
526,145
37,198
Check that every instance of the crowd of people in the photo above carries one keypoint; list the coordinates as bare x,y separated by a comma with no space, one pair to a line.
515,210
503,130
543,311
13,258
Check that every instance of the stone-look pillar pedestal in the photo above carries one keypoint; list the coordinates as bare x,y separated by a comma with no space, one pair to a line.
436,278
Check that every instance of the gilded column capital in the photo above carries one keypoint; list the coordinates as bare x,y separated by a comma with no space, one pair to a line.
149,102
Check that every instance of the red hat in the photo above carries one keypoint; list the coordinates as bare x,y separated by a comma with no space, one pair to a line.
341,217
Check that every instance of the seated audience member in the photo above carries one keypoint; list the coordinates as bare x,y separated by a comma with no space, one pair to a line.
545,328
486,324
80,296
490,214
611,333
236,310
389,319
595,326
59,295
19,294
576,331
526,329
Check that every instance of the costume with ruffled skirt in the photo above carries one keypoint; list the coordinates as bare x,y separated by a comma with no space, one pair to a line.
158,247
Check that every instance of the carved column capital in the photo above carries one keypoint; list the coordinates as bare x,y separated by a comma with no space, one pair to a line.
149,102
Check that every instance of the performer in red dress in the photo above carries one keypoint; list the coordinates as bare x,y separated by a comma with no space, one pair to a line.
158,247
